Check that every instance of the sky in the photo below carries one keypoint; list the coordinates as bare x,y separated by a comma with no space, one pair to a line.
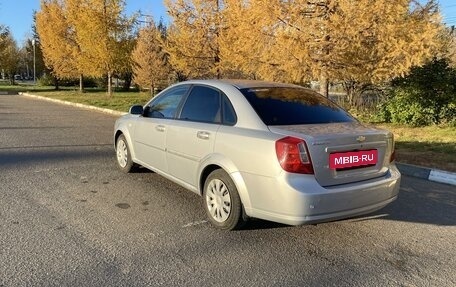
17,14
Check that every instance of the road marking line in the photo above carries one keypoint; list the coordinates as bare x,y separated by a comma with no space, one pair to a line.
194,223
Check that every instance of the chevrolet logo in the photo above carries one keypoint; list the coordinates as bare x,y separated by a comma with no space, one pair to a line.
361,139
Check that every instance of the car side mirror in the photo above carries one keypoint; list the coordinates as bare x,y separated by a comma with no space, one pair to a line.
136,110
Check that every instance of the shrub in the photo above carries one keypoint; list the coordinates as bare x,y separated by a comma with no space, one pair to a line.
48,80
426,96
448,114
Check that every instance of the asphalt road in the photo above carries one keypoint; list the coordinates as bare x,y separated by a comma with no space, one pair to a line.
68,217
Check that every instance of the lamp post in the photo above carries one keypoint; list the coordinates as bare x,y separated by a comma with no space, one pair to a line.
34,61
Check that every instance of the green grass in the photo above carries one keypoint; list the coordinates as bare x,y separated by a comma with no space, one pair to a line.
120,101
5,86
432,146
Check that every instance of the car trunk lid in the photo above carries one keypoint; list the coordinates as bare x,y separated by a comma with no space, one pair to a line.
343,152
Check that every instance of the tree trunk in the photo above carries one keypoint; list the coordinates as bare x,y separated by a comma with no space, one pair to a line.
324,86
349,87
109,84
180,76
56,84
354,91
127,82
81,83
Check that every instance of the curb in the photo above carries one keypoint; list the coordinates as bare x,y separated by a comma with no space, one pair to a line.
427,173
436,175
7,93
87,107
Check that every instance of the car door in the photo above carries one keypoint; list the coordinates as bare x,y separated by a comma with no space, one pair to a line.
191,138
151,128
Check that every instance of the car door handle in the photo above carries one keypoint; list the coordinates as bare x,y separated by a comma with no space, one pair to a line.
203,135
160,128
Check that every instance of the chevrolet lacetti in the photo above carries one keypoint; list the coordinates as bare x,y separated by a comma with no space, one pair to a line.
264,150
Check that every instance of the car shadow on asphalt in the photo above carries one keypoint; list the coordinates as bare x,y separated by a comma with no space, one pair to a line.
422,201
258,224
419,201
141,169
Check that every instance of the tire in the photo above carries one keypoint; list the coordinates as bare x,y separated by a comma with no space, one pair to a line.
221,201
123,155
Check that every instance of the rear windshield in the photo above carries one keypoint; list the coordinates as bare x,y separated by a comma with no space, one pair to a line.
294,106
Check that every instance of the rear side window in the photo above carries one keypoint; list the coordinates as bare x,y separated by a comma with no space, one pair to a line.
229,116
294,106
202,105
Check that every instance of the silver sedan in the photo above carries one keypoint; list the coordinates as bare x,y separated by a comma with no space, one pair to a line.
264,150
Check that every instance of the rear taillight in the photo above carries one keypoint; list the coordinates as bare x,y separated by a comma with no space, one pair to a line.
293,155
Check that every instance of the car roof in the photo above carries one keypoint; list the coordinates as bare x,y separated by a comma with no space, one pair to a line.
242,84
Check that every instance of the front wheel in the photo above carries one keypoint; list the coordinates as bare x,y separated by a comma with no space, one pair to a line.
124,161
222,202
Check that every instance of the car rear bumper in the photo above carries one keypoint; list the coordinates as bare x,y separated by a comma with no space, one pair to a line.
298,199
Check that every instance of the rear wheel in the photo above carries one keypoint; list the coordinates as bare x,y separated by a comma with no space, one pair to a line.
124,161
222,202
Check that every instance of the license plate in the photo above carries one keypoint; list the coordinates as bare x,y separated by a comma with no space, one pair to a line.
342,160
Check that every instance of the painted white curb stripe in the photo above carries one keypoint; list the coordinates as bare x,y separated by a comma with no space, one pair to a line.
442,176
106,111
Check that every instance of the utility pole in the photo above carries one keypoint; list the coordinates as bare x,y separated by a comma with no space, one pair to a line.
34,60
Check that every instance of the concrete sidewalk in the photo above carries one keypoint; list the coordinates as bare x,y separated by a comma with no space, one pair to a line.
406,169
